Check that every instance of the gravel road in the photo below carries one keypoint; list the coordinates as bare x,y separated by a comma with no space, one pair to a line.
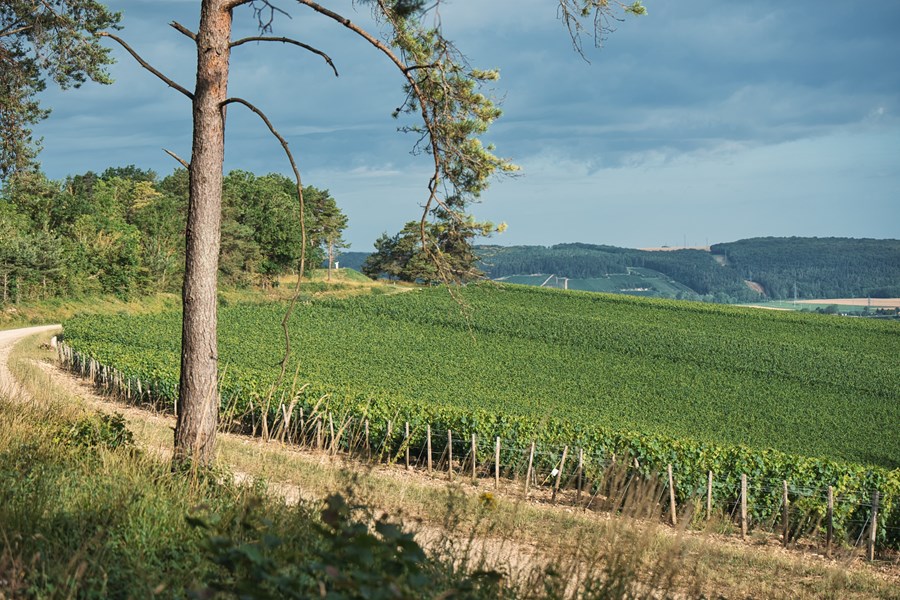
8,338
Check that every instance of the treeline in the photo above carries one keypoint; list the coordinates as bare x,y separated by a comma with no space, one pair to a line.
696,269
819,267
123,232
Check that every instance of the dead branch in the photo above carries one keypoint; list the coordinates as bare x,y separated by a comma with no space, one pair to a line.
183,162
182,29
147,65
414,86
284,40
290,156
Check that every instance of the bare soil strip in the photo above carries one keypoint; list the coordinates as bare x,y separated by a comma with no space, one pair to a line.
874,302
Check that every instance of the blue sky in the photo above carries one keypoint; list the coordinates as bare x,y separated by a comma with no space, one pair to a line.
702,122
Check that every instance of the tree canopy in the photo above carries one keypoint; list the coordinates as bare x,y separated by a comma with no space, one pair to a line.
122,232
42,39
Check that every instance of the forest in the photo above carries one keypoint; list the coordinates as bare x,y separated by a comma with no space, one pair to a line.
820,267
825,267
122,232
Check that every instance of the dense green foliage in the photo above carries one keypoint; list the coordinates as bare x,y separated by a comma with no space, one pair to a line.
445,255
819,267
122,232
84,514
726,389
56,39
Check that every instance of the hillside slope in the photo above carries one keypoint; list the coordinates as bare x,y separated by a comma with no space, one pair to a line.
802,384
818,267
732,272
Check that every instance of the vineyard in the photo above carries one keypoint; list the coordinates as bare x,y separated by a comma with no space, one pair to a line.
733,390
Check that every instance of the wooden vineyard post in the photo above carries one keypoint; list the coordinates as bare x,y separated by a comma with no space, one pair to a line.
386,446
474,457
785,518
428,445
709,495
672,510
579,483
367,446
873,529
743,505
562,465
319,441
302,428
406,443
293,436
497,463
829,525
530,465
331,431
449,455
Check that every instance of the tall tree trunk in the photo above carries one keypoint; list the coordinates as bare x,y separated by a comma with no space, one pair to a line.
198,397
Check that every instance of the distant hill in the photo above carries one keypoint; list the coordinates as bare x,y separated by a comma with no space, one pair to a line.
819,267
730,272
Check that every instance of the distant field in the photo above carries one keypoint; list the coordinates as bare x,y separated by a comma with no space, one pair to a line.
847,305
637,282
873,302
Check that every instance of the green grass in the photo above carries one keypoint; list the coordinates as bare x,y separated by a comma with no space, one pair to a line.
802,384
777,396
86,514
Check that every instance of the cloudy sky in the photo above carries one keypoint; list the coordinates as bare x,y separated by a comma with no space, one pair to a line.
705,121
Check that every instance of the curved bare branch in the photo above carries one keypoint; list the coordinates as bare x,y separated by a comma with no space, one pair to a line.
414,86
284,40
147,65
290,156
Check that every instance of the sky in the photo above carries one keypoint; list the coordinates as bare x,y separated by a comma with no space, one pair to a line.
702,122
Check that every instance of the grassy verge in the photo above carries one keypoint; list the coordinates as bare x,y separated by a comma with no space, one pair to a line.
128,516
343,283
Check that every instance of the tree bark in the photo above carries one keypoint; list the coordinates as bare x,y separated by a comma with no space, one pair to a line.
198,397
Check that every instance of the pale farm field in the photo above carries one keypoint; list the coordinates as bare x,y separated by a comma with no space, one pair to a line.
875,302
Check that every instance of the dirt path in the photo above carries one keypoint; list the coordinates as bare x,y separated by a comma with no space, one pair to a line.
8,385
